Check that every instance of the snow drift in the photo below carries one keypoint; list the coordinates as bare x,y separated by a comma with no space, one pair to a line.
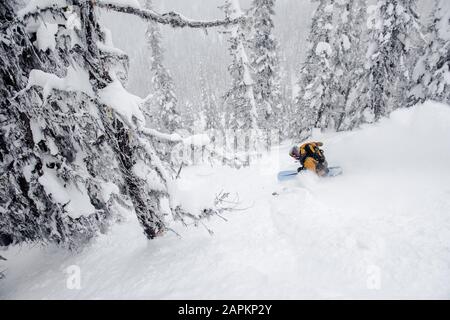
381,230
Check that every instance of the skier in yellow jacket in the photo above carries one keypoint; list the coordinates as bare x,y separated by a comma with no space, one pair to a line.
311,157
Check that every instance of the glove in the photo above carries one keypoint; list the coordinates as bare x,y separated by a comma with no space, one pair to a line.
319,155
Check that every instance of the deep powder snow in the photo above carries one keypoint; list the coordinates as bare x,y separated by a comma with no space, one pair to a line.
380,230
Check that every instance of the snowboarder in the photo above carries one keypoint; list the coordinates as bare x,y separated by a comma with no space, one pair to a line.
311,158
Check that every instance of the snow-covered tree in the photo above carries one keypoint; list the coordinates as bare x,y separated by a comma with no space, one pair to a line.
316,74
350,45
240,97
393,28
164,101
190,116
239,100
58,174
211,113
432,71
265,64
283,119
74,151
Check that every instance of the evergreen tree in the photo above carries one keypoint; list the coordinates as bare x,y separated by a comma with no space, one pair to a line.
350,45
240,97
283,119
432,71
163,99
209,107
392,28
315,80
190,117
265,64
54,149
73,149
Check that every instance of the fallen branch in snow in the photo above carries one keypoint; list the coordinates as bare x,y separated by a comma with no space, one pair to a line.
171,18
221,205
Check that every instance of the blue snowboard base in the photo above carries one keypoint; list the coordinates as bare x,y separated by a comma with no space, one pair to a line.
287,175
291,174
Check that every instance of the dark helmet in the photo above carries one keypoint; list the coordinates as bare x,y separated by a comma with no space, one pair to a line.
295,153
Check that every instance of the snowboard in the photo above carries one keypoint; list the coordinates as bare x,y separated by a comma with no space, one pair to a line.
290,174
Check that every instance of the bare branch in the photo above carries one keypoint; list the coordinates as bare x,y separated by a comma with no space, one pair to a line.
171,18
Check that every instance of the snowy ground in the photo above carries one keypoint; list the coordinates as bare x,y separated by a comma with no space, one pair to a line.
381,230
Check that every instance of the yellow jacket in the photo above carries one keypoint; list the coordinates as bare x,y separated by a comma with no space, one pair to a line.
311,157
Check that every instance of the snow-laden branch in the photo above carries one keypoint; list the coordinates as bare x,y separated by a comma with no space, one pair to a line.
171,18
174,19
152,133
196,140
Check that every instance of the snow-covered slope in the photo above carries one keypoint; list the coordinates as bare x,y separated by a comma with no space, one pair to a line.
381,230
